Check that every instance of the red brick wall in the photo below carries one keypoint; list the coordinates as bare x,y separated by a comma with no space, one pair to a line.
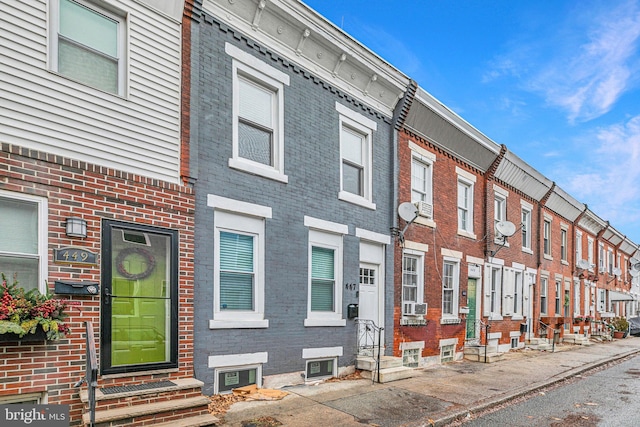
75,188
444,236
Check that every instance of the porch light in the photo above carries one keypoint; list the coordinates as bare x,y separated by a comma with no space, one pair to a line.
76,227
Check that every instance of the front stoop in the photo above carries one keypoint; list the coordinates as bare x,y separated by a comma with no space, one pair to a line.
541,344
391,369
477,354
178,405
578,339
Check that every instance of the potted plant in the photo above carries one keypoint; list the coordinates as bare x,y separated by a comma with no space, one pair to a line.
620,327
30,314
578,319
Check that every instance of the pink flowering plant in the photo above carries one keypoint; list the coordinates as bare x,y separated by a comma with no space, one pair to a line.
21,312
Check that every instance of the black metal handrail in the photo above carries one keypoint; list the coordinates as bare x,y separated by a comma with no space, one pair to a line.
553,334
368,342
91,372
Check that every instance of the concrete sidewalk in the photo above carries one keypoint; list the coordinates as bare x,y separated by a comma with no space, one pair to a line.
435,396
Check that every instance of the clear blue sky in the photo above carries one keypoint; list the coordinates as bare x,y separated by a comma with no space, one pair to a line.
558,82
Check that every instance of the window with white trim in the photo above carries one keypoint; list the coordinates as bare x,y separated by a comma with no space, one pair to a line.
258,116
421,171
526,228
88,44
492,303
450,286
447,353
321,368
546,237
601,260
590,252
230,378
602,299
325,261
356,157
239,267
610,259
412,279
558,297
23,245
563,244
578,245
544,285
465,206
499,213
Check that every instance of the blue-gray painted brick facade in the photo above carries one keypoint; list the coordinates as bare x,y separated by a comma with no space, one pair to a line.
312,162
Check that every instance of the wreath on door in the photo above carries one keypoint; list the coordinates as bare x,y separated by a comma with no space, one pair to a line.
148,256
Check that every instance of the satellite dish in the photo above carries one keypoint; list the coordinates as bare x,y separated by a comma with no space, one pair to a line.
617,271
506,228
407,211
634,260
636,267
634,273
582,264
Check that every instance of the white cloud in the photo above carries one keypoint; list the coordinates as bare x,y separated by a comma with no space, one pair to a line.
608,179
585,65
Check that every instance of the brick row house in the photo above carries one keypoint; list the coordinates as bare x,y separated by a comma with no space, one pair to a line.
462,287
292,148
240,173
95,207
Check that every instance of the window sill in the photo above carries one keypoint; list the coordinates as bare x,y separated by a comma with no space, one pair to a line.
548,257
356,200
255,169
527,251
494,316
425,221
238,324
564,262
517,317
450,321
466,233
413,321
311,323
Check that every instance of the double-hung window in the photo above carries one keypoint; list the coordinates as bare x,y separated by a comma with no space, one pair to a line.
558,297
493,291
544,285
610,260
546,237
563,244
466,183
601,261
590,252
23,245
578,246
526,228
258,116
239,263
450,284
324,307
356,157
412,280
88,44
500,212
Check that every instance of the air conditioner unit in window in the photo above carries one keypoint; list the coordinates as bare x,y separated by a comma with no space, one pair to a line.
424,209
414,309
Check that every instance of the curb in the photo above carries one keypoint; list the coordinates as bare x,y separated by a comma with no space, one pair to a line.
460,414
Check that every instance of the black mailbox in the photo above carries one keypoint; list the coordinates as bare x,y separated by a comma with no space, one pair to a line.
352,311
65,287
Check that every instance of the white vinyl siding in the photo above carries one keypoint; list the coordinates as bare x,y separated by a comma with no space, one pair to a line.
138,132
23,241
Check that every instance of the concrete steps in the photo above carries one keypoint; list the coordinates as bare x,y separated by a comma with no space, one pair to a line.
538,344
578,339
477,354
391,369
178,403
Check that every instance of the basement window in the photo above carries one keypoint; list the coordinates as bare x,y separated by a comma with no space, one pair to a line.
447,353
229,379
324,368
27,398
411,357
514,342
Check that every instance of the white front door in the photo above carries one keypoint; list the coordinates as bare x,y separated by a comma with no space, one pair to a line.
368,300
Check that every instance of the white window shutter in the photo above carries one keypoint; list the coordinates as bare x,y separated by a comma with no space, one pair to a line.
508,287
486,294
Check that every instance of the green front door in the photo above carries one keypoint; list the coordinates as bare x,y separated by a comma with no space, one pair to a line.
471,303
139,306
